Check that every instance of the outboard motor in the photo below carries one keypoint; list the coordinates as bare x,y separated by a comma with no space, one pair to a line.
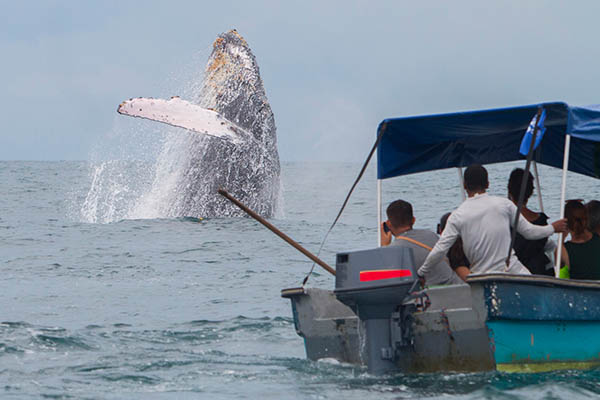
375,283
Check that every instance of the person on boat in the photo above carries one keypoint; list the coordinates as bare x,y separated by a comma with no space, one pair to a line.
531,253
483,222
582,252
400,226
456,255
593,211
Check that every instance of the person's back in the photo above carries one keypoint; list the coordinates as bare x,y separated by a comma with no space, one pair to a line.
583,249
584,259
531,253
593,212
456,256
442,274
400,225
483,221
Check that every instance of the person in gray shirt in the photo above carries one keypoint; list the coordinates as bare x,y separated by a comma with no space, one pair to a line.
400,226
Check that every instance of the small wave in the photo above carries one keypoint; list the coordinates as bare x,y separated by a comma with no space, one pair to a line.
143,379
61,342
190,219
6,349
92,368
240,320
166,364
192,336
59,396
183,251
201,331
14,325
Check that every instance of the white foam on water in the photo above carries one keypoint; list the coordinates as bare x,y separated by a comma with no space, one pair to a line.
154,203
329,360
116,187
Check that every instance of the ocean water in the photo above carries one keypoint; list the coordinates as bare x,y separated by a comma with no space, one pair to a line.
190,308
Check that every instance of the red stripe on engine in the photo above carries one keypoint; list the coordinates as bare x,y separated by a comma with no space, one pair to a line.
375,275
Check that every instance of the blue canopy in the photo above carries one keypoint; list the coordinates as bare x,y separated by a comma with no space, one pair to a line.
427,143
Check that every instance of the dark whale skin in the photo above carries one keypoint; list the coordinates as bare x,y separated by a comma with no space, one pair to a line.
249,171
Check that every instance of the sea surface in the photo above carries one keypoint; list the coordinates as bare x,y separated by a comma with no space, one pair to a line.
190,308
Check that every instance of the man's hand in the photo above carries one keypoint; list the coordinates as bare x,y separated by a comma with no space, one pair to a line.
386,237
560,226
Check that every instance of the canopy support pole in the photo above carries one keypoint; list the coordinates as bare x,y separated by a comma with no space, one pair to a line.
462,183
562,203
537,184
379,215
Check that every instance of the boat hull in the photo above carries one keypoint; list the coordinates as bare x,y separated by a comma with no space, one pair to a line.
539,346
330,329
541,324
496,322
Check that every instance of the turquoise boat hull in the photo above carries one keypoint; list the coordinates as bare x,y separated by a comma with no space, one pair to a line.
540,324
537,346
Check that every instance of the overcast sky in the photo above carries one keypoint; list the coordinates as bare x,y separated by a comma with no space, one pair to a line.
332,69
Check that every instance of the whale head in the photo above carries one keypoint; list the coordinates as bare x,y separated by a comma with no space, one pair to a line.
233,87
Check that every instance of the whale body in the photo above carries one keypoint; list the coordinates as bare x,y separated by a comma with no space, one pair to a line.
232,141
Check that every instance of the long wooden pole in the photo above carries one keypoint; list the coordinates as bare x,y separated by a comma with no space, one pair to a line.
276,231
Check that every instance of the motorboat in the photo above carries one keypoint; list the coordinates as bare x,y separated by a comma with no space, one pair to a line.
378,316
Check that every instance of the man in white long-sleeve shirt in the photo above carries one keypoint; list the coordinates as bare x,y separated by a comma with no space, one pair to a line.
483,222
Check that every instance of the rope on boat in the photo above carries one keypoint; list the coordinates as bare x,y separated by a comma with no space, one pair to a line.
360,174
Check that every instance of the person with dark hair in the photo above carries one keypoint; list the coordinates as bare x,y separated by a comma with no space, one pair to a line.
400,226
593,211
483,222
582,252
476,179
531,253
456,255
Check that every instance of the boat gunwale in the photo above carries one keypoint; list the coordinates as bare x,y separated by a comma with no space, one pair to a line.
533,279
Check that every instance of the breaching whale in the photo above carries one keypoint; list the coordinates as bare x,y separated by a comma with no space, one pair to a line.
233,142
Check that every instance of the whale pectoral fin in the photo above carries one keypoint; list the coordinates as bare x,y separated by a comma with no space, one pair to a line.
183,114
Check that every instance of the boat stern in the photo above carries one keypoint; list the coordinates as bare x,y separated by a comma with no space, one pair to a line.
330,329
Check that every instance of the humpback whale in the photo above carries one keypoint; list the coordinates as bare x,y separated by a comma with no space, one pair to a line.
232,142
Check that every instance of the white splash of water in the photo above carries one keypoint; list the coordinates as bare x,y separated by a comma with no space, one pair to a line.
133,171
157,201
115,188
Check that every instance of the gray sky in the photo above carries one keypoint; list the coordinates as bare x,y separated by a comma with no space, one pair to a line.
332,69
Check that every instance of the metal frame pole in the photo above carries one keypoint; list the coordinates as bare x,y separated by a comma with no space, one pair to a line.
462,184
537,184
563,194
379,214
521,201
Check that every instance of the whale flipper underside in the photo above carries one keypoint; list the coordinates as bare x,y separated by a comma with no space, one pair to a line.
233,144
183,114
